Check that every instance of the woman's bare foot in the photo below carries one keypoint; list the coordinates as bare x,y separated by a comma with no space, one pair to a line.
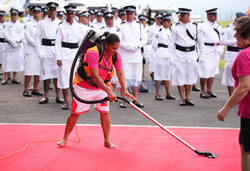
62,142
109,145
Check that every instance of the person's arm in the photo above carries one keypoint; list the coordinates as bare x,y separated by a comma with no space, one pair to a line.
100,83
239,93
58,46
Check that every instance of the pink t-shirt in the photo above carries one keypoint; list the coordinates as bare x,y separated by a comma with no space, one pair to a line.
92,59
241,67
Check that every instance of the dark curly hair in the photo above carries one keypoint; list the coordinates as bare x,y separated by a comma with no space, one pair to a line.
111,38
242,27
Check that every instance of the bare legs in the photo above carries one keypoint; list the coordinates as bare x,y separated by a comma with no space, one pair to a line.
187,89
105,123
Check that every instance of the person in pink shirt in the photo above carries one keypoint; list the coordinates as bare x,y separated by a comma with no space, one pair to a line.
99,90
241,96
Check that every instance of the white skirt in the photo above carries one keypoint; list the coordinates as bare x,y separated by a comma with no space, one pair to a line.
185,73
64,74
209,67
133,73
13,61
32,64
49,69
227,79
163,69
151,65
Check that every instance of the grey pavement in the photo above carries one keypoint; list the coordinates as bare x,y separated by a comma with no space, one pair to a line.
15,108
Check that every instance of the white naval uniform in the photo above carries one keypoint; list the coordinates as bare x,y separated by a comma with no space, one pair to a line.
210,56
151,32
85,28
185,71
228,39
27,18
133,38
46,30
117,21
2,45
98,25
32,59
164,60
13,56
67,35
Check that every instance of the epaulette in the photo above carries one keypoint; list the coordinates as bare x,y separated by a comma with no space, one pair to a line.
60,22
194,23
227,25
138,22
177,23
102,27
123,22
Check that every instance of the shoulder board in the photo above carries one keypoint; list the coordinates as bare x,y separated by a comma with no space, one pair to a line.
160,29
177,23
123,22
138,22
194,23
91,26
218,23
60,22
227,25
102,27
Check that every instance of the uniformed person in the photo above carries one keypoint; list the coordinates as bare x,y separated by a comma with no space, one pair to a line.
92,16
68,39
117,20
133,38
60,15
164,58
143,21
32,59
209,59
183,45
109,23
13,56
84,19
46,35
2,40
29,16
44,12
151,32
228,39
98,22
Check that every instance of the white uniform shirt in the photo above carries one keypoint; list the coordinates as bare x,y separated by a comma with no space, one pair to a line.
228,39
2,46
162,36
133,38
108,29
27,18
151,32
180,37
209,35
69,34
14,35
46,30
98,25
30,36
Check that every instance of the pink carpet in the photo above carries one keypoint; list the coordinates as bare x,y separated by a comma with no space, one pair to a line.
139,149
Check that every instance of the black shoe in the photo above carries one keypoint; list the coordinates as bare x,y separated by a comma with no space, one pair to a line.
122,104
44,100
143,89
204,95
27,93
189,102
170,97
9,78
211,94
140,105
182,102
36,93
195,88
59,100
15,81
65,106
1,73
4,82
158,97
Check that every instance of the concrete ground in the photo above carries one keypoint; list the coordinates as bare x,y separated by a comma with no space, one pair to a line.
15,108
